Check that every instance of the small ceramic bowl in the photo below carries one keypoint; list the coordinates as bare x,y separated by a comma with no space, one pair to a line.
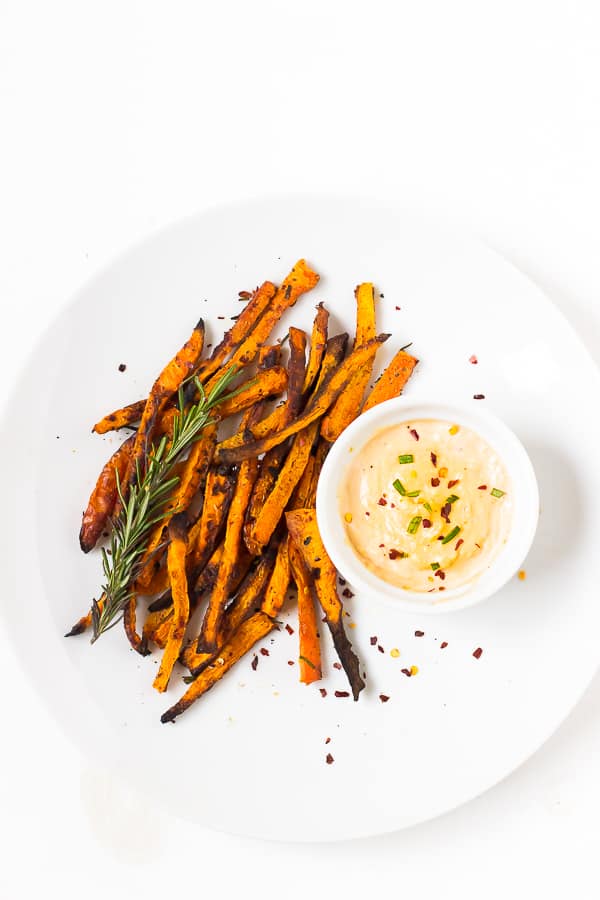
509,557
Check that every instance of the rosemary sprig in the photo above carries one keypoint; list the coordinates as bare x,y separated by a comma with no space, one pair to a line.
144,507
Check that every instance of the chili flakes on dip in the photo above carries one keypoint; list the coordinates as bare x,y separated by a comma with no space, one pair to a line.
448,510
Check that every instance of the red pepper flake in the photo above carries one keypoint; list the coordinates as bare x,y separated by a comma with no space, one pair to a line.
289,628
478,545
398,307
443,645
433,457
419,634
394,554
478,396
380,648
367,513
406,672
264,651
290,662
435,482
347,593
337,665
482,487
439,573
329,759
414,433
342,693
458,544
382,501
328,740
341,580
323,692
382,545
441,588
426,523
477,653
454,481
373,640
393,505
220,317
254,662
384,698
473,360
440,537
122,367
445,512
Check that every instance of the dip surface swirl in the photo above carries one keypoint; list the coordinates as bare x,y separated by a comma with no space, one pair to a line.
426,505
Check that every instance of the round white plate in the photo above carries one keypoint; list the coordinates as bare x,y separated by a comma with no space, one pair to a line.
250,756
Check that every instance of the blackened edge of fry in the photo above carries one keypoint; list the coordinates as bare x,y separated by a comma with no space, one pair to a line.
78,628
178,527
161,602
348,657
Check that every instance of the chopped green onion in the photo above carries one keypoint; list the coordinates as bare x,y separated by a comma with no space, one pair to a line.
413,493
451,535
497,493
406,458
414,524
399,487
452,498
428,507
435,566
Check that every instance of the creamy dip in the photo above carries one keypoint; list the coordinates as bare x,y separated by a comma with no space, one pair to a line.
426,505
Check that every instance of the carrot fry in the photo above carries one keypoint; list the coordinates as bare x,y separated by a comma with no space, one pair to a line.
310,648
193,475
203,536
318,343
300,279
348,404
138,643
273,459
302,526
392,381
279,581
314,410
104,496
253,310
166,385
127,415
275,503
211,623
249,632
84,622
245,603
176,555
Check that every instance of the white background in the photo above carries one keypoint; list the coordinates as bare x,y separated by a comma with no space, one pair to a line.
119,117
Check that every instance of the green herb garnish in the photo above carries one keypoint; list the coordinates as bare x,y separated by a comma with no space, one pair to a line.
451,535
308,662
435,566
496,492
452,498
146,502
414,524
428,507
399,487
406,458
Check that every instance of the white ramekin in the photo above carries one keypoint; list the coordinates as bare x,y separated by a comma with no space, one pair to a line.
508,558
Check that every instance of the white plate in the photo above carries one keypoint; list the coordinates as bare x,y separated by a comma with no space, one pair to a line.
250,756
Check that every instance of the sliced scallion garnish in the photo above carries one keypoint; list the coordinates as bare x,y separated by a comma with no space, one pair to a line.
399,487
435,566
414,524
406,458
496,492
428,507
451,535
452,498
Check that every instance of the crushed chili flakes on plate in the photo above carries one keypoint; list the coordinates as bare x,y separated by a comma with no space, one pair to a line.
477,653
329,759
384,698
